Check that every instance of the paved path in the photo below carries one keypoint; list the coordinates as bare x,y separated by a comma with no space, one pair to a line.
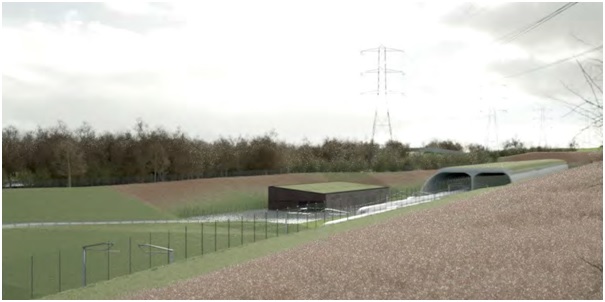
258,215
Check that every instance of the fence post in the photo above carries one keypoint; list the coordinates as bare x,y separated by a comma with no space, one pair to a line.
228,233
201,238
266,226
254,228
315,214
168,252
31,277
149,249
242,230
307,215
108,263
59,270
287,231
185,242
277,223
215,235
129,255
83,267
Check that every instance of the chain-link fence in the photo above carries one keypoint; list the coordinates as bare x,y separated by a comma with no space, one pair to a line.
45,273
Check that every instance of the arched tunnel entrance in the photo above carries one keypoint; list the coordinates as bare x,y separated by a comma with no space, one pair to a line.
485,180
489,175
448,181
457,179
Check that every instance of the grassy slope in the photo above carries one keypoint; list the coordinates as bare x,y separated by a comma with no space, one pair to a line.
573,159
162,276
73,204
595,149
518,166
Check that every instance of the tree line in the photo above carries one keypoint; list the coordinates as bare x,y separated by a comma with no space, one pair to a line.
59,156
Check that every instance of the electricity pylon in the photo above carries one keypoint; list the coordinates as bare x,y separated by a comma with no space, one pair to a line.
492,118
381,92
543,118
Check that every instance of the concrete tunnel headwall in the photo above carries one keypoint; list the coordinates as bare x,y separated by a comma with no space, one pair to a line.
486,175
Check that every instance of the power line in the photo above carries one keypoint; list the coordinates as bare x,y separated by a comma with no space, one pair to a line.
519,32
552,63
473,14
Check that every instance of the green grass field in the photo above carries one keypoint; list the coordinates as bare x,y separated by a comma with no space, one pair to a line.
595,149
358,177
225,202
519,166
44,245
73,204
330,187
165,275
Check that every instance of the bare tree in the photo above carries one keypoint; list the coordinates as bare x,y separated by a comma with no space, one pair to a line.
69,159
158,159
514,144
12,153
445,144
588,104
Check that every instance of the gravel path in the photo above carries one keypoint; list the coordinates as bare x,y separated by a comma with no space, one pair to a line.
291,217
540,239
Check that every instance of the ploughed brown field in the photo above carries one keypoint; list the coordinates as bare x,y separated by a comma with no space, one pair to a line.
165,195
573,159
538,239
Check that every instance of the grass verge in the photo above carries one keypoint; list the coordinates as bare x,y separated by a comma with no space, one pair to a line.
519,166
225,203
595,149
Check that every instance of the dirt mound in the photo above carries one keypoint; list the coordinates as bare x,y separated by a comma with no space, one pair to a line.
166,195
573,159
539,239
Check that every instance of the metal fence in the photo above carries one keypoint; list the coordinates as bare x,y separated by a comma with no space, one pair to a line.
45,273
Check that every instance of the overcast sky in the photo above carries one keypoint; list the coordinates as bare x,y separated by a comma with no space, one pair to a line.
231,68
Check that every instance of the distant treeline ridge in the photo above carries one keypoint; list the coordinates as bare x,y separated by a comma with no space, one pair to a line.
58,156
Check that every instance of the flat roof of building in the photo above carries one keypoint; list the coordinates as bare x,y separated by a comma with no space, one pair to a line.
331,187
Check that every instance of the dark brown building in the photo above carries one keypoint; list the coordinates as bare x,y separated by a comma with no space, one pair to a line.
335,195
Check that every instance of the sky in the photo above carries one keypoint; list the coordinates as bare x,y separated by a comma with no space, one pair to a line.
245,68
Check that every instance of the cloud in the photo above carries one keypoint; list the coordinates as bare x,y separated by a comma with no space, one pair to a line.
140,17
573,31
138,8
584,19
294,67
